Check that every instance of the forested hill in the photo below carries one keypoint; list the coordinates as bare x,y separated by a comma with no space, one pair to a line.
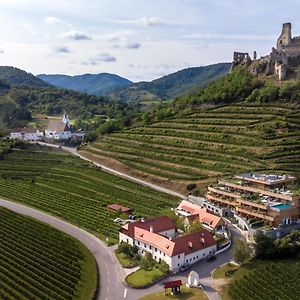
15,76
172,85
93,84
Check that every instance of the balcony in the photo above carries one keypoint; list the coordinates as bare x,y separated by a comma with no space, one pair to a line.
220,200
255,214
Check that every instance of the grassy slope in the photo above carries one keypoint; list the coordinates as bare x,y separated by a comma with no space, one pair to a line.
264,280
210,143
36,262
74,190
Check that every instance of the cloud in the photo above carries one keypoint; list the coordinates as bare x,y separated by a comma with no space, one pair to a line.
102,57
123,39
2,51
144,21
76,35
244,37
62,49
52,20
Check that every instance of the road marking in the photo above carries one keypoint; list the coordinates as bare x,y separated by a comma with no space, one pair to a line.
125,293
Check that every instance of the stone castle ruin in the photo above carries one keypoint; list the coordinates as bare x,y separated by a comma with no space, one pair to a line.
283,62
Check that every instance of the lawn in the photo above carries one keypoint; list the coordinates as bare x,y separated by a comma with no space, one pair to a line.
127,262
142,278
220,272
186,294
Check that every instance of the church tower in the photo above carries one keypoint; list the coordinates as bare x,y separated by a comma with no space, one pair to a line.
66,119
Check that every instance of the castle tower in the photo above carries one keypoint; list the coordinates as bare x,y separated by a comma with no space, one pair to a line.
285,37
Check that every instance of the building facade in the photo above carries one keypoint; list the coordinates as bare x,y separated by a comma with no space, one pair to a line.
272,199
158,236
59,129
26,134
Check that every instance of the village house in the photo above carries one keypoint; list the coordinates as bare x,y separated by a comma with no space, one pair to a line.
192,212
26,134
158,237
59,129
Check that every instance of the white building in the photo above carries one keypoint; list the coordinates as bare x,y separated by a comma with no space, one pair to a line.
59,129
158,236
26,134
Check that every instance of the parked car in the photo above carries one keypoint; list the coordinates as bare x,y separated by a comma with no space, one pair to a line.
211,258
117,220
184,267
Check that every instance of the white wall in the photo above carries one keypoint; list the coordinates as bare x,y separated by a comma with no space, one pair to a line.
63,135
125,238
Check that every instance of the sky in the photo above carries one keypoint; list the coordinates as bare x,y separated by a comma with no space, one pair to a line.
137,39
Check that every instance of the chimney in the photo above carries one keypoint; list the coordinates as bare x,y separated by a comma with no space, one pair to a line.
151,228
202,240
190,244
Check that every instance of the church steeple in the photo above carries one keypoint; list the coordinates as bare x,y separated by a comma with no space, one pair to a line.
66,119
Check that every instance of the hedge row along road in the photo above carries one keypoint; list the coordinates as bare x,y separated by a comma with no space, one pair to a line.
39,262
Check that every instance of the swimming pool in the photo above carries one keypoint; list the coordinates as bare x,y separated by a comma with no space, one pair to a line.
282,206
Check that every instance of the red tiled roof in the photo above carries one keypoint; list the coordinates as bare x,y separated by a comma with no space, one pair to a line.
158,224
193,242
24,130
171,284
203,214
58,126
118,207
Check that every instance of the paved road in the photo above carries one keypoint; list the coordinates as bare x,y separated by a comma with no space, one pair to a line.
120,174
112,275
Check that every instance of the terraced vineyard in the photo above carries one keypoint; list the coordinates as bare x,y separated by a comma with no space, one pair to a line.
270,281
210,143
74,190
39,262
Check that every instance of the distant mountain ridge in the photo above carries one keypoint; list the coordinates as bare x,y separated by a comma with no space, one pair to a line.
17,77
172,85
94,84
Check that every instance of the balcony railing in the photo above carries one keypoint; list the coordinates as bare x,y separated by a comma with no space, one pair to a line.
255,214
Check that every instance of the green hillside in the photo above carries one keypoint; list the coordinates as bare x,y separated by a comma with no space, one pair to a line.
237,123
72,189
93,84
15,76
172,85
40,262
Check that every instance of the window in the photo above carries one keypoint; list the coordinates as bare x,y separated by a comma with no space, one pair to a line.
203,254
150,247
187,261
197,256
155,249
178,256
178,265
138,243
194,258
127,241
145,245
164,254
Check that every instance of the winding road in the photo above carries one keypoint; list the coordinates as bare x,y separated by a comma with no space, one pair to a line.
112,275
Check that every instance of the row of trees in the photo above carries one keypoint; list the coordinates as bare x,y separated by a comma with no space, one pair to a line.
265,247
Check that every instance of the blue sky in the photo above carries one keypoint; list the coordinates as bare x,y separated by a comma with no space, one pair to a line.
137,39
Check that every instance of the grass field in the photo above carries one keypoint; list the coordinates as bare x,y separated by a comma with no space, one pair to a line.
142,278
39,262
266,280
210,143
70,188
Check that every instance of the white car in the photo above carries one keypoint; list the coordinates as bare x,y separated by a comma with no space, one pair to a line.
117,220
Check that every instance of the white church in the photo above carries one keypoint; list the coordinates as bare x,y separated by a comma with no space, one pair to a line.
59,129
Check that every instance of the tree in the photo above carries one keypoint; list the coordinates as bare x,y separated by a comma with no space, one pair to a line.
147,262
195,226
264,246
241,250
